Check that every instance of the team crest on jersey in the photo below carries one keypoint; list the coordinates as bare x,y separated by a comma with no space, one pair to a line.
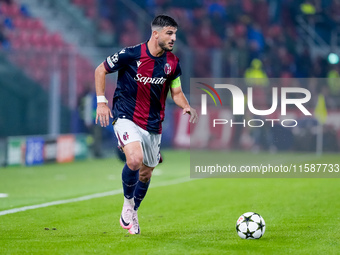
167,68
125,136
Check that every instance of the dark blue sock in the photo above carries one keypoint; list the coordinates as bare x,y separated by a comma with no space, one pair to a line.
129,180
140,193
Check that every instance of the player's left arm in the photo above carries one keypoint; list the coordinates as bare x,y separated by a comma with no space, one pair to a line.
180,100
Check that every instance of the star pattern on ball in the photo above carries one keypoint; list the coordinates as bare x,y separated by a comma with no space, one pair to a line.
260,225
249,234
247,219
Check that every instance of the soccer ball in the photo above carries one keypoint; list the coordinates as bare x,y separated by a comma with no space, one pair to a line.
250,226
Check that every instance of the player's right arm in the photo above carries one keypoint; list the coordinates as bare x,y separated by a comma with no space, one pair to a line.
111,64
103,111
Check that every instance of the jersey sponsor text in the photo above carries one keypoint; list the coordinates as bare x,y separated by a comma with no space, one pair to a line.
151,80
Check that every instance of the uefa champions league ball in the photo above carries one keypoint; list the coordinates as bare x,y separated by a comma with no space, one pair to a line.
250,226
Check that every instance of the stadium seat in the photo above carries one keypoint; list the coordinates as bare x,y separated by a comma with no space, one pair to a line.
34,24
10,10
20,23
56,41
36,40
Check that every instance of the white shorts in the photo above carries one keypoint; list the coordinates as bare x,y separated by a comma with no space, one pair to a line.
127,131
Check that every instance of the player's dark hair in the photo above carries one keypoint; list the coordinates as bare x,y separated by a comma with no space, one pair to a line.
164,21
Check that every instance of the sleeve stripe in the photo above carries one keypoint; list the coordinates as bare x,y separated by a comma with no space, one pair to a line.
175,83
107,67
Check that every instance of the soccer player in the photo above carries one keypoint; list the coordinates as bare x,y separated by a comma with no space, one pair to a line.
146,73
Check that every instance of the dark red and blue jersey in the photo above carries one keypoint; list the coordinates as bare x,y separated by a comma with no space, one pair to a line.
142,86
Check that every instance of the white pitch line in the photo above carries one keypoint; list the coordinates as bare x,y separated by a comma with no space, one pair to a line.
88,197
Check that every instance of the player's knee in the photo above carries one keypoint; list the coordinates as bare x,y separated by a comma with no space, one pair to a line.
134,163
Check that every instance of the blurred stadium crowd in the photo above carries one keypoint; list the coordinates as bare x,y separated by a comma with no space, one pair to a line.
252,39
255,29
261,29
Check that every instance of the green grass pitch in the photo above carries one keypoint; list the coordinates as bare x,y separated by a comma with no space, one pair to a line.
178,216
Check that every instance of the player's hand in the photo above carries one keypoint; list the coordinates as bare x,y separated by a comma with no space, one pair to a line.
103,114
193,114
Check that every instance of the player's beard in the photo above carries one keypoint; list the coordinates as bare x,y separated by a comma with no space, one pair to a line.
164,47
